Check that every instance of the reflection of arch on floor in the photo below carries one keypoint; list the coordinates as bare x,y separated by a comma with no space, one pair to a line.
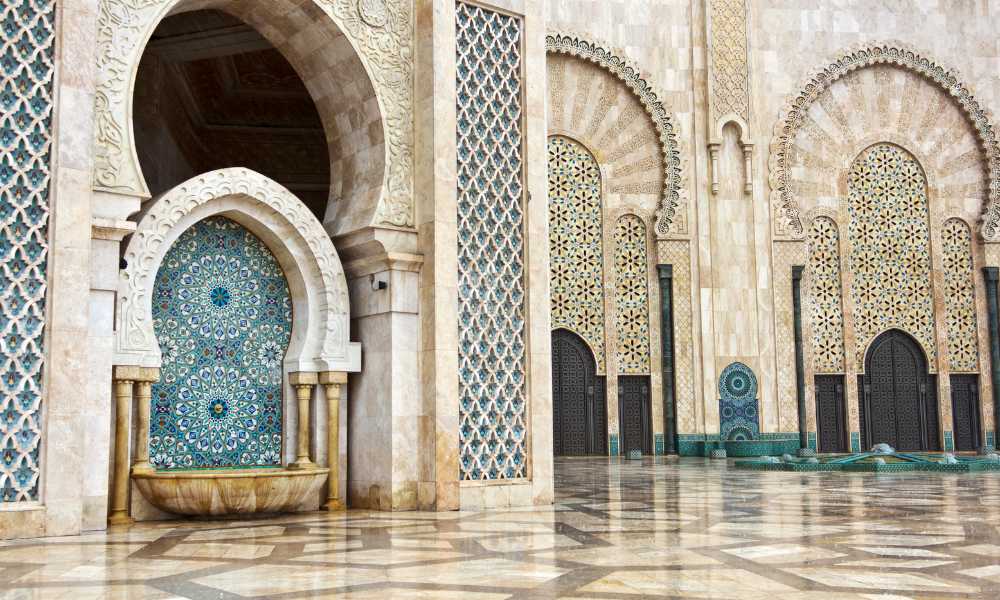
898,395
579,414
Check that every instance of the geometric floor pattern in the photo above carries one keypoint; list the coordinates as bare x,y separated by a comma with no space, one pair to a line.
652,529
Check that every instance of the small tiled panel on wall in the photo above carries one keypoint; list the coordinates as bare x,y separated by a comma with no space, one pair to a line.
959,297
222,312
632,296
28,40
491,294
576,248
738,404
890,248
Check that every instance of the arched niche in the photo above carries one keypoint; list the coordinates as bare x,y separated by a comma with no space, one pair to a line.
354,60
320,307
883,92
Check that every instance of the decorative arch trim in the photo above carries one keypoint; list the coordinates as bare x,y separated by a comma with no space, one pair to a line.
867,55
378,31
603,56
321,311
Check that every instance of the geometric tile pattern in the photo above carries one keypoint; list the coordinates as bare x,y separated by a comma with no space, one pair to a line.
730,93
738,404
492,428
635,529
827,314
890,248
222,313
27,37
632,296
576,253
959,297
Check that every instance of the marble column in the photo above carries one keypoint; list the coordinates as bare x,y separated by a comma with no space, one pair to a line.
119,496
332,383
143,399
304,384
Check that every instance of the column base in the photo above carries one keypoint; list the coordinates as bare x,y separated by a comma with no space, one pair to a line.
120,518
302,465
334,506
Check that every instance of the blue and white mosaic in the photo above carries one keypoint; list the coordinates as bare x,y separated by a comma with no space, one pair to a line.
222,313
738,404
493,427
26,61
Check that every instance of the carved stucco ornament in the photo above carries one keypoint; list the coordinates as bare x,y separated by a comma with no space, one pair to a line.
671,215
379,30
787,220
321,322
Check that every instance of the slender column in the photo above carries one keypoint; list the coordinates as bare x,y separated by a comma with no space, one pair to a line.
304,383
119,496
800,367
143,399
332,382
992,275
666,275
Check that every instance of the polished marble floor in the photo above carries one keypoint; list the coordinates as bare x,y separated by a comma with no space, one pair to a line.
678,529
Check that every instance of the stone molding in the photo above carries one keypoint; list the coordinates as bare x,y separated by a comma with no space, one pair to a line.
321,313
866,55
674,199
380,32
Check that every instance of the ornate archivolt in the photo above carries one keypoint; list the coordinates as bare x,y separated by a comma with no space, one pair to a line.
321,312
600,108
901,95
369,72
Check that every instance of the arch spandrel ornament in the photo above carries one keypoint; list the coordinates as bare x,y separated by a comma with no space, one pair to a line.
380,32
787,219
671,216
321,310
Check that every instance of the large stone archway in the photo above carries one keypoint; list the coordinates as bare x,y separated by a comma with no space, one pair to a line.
353,58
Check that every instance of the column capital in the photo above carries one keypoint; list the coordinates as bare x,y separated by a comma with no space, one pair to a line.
303,378
333,378
665,271
991,273
797,271
135,373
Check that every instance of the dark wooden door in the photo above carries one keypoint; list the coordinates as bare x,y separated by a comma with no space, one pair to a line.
897,396
830,413
579,421
965,411
634,414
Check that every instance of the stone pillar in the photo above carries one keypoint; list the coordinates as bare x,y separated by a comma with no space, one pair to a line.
119,496
143,399
992,276
304,384
666,276
332,382
800,373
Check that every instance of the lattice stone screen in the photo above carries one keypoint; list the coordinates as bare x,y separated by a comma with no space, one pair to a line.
826,311
959,297
632,296
576,248
222,313
27,34
493,426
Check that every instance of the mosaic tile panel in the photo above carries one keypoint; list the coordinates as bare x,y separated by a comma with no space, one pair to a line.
678,254
825,308
493,425
631,296
27,36
890,248
222,313
576,251
959,297
738,404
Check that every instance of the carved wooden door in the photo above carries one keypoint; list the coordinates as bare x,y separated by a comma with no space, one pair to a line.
830,413
965,411
897,395
634,414
579,423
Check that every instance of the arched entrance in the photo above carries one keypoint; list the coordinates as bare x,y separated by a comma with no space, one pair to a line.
579,419
897,394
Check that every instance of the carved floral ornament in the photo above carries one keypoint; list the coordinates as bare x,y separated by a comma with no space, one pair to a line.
321,324
673,200
891,53
380,31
